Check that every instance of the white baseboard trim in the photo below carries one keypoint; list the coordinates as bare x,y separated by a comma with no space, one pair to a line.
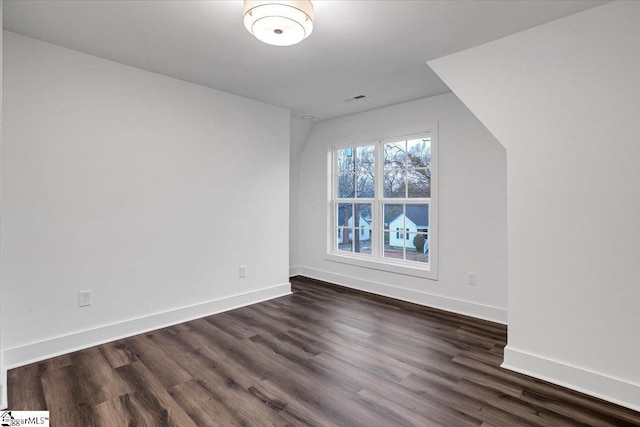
595,384
468,308
3,389
40,350
294,270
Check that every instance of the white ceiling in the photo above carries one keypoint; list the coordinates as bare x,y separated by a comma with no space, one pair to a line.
374,48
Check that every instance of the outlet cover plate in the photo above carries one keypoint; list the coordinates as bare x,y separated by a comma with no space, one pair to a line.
471,278
84,299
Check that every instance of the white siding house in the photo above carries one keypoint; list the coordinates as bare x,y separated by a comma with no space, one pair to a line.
365,231
403,228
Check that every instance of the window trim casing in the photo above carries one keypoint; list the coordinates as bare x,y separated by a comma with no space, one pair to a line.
404,267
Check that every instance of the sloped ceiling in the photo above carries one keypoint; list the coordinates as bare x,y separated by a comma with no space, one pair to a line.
374,48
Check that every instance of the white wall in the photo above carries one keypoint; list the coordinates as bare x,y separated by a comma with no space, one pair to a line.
147,190
564,99
472,209
300,131
3,371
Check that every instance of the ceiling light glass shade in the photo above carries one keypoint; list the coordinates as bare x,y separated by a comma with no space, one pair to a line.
280,23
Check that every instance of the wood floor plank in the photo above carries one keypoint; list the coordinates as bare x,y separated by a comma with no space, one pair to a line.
532,413
393,391
118,353
201,405
299,412
26,381
72,391
64,390
56,362
117,412
471,406
157,360
201,346
378,363
296,339
260,323
27,388
224,389
284,349
151,396
130,410
97,381
302,380
399,414
323,356
315,317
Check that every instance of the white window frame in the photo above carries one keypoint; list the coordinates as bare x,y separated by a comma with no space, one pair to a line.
375,260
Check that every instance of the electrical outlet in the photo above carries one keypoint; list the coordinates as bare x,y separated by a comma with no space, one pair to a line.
471,278
242,271
84,299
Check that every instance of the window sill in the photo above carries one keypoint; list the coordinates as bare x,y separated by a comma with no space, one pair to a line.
407,270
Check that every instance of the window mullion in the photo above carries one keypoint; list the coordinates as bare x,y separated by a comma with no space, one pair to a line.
379,179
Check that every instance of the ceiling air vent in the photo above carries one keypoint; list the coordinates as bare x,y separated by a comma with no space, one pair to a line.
354,98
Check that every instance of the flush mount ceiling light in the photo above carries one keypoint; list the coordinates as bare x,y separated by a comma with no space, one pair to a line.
280,23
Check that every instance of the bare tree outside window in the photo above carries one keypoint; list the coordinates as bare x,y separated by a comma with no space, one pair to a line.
407,168
355,180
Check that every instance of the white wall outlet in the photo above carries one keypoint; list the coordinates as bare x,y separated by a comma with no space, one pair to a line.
242,271
471,278
84,299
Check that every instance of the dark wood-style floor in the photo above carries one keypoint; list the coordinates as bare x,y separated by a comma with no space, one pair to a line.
324,356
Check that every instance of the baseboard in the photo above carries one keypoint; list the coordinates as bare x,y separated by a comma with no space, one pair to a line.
468,308
595,384
3,389
36,351
294,271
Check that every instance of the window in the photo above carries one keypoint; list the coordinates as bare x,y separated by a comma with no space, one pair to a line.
382,208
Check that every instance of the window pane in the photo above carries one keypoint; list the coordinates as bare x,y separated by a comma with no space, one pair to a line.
345,233
419,151
417,248
361,221
393,213
394,184
366,185
394,220
339,236
417,217
345,241
346,186
362,240
394,155
343,213
345,160
364,215
353,221
393,252
419,183
365,158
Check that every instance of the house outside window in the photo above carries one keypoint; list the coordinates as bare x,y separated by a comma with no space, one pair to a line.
383,207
